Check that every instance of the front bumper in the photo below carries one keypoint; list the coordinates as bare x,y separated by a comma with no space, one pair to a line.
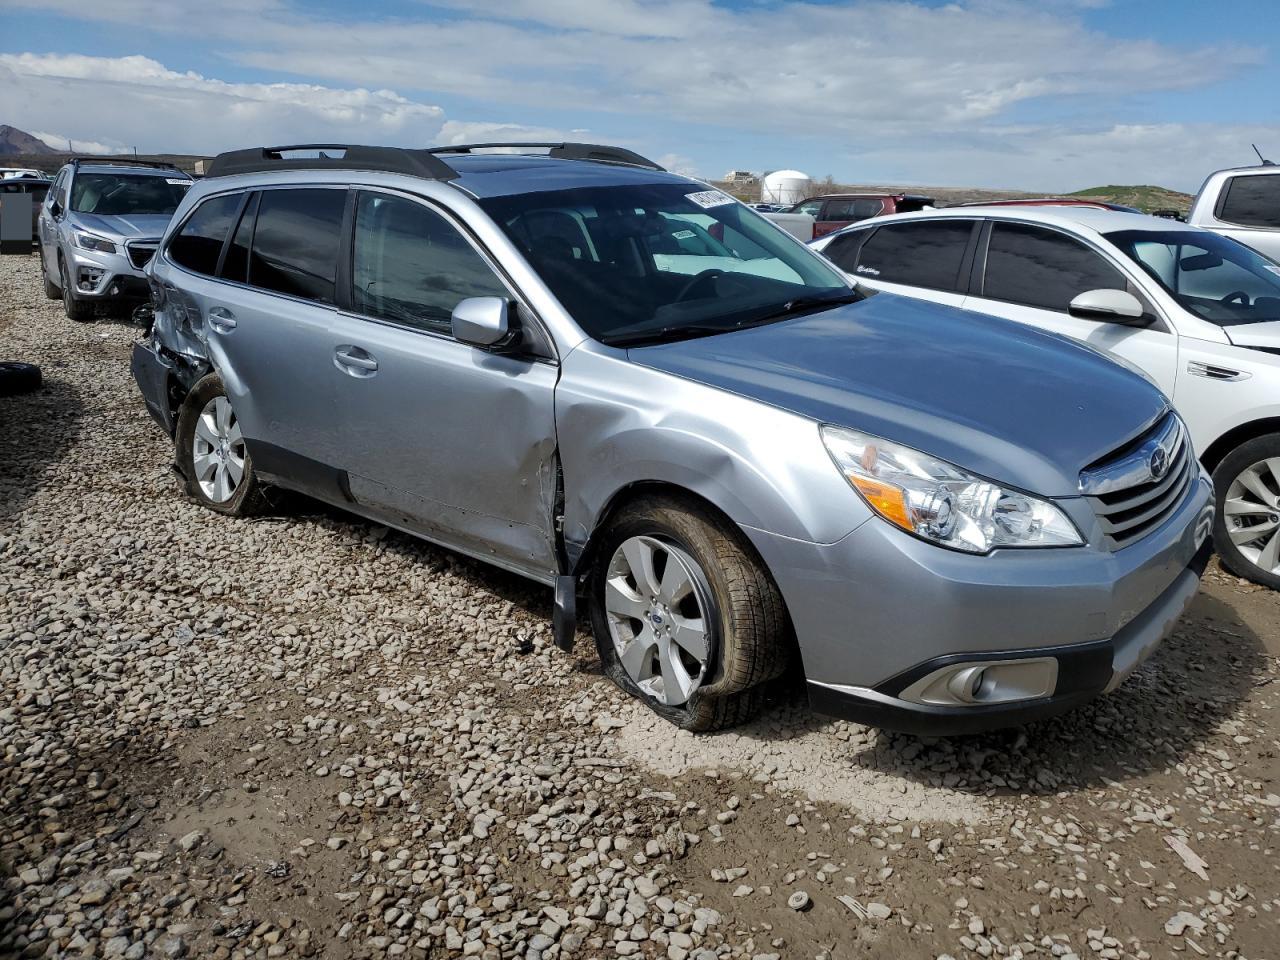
879,610
105,276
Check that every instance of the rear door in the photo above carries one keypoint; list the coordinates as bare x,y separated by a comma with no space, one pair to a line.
1249,211
1031,273
926,259
267,318
447,439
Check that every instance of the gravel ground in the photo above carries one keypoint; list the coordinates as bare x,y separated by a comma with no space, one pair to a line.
305,735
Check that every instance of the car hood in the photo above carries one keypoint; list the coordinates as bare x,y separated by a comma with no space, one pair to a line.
148,226
1014,404
1260,336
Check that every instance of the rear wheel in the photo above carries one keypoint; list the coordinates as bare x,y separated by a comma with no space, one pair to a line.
1247,523
75,309
685,616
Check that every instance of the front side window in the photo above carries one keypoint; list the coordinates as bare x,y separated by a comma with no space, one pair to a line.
295,242
644,262
810,207
919,253
843,251
1042,268
124,194
199,243
1212,276
1252,201
412,266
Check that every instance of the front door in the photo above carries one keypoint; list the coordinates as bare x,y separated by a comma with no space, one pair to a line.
450,440
1033,273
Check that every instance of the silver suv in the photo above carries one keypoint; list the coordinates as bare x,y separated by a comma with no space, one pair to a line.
99,226
632,388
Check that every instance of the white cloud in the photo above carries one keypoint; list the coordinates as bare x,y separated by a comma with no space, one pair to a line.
60,142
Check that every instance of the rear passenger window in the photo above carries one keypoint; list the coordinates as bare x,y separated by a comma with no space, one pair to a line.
199,242
235,266
1042,268
924,253
1252,201
411,266
295,242
856,209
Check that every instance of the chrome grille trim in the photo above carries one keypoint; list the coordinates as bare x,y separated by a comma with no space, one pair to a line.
141,251
1128,498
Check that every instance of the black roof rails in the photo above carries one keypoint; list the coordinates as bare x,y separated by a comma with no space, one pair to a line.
563,151
418,163
110,161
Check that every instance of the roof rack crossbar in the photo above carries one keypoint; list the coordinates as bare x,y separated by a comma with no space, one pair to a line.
109,161
562,151
418,163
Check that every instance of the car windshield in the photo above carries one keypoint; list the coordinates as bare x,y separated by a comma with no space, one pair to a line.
643,263
123,194
1211,276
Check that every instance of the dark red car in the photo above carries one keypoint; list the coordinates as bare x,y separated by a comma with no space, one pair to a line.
838,210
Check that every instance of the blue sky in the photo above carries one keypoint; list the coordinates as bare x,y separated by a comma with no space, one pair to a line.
1051,95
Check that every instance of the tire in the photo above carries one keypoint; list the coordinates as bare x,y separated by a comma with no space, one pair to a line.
206,465
746,628
78,310
51,289
16,378
1249,508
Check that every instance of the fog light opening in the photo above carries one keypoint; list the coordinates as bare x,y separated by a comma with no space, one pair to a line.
986,682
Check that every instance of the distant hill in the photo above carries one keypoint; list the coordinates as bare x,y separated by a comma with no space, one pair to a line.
14,141
1143,196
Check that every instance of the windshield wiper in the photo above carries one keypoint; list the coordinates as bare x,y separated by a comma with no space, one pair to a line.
797,304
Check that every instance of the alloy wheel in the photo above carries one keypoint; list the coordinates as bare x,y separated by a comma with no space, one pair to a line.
659,618
218,451
1251,511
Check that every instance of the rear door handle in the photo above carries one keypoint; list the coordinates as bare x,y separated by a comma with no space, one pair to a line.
221,320
352,360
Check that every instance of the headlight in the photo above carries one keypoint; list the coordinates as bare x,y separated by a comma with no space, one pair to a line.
939,502
87,241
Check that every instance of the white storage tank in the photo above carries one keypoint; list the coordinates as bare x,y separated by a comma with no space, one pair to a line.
785,186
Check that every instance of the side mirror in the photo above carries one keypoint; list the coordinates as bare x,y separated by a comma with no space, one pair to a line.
481,321
1111,306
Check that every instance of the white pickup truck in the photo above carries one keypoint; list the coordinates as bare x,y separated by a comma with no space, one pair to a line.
1243,204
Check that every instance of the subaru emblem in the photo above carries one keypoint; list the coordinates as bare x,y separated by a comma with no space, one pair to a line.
1159,463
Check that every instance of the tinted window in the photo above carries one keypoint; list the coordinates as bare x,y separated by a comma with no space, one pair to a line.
295,242
852,209
843,250
1252,201
811,207
412,266
200,240
235,266
1042,268
920,254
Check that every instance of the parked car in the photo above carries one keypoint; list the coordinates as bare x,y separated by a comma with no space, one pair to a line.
36,187
100,225
9,173
841,209
609,378
1197,312
1244,204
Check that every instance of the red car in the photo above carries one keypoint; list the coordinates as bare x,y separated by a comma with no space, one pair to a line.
838,210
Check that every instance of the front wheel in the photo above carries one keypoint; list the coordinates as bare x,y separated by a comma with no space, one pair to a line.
1246,529
685,616
212,454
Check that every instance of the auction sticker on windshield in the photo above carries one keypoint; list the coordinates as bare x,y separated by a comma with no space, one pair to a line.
710,198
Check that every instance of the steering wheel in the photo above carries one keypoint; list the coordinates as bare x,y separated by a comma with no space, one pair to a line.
695,280
1236,296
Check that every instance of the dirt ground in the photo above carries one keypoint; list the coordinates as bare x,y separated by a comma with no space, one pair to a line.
304,735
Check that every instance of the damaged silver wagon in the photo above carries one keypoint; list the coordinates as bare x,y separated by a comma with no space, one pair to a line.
619,382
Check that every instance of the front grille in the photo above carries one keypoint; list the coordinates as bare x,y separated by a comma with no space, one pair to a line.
141,252
1130,498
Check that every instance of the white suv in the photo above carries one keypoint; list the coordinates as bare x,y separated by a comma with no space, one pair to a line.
1198,312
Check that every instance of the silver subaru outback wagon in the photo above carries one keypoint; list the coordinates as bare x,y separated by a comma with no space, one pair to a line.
628,386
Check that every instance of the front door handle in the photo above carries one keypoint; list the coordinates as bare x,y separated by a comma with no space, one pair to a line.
221,320
352,360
